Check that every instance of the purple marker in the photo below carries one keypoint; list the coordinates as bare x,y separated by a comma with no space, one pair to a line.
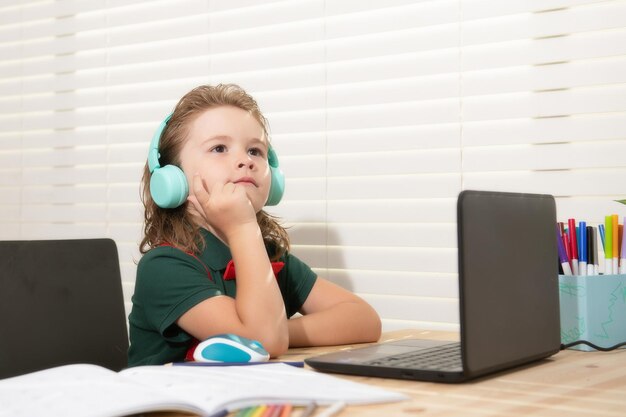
567,270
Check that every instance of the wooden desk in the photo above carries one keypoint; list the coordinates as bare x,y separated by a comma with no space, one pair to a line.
570,383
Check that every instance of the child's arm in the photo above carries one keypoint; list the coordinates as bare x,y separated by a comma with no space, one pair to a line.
258,311
333,316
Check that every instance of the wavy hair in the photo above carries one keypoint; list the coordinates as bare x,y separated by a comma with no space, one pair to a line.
176,226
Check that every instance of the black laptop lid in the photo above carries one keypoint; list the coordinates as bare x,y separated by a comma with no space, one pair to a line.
61,302
508,279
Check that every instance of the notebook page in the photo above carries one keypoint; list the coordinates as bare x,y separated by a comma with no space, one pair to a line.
79,391
216,388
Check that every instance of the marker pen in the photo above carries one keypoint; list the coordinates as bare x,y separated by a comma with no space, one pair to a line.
615,243
601,229
565,240
608,245
562,255
596,254
622,266
590,255
582,252
573,243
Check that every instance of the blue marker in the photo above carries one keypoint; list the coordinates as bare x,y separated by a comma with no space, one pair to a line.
578,241
601,228
582,253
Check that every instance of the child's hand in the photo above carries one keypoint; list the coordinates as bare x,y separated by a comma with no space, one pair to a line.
226,207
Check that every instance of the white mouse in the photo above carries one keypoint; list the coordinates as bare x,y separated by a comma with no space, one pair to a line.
230,348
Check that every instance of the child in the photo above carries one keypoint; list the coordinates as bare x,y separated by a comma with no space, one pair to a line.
210,171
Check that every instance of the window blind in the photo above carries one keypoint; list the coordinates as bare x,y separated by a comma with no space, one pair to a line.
380,111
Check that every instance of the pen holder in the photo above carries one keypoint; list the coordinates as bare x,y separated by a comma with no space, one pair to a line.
593,308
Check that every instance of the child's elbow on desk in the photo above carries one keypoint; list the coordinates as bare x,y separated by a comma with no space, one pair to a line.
275,346
372,329
377,330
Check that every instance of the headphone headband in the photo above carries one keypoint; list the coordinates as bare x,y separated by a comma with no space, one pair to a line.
153,152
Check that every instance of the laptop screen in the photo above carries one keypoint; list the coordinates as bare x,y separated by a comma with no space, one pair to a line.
508,279
508,296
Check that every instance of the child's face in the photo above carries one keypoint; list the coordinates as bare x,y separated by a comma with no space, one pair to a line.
227,144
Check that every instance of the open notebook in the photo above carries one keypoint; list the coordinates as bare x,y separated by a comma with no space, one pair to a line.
508,297
92,391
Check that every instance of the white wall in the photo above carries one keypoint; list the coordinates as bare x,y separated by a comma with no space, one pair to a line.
381,112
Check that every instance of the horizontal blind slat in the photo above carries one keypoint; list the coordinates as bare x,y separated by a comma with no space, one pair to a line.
544,51
571,128
373,235
597,99
584,182
428,284
545,157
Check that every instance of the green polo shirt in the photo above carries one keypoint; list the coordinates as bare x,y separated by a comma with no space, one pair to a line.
170,282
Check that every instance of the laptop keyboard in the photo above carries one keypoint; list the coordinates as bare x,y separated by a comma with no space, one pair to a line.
444,357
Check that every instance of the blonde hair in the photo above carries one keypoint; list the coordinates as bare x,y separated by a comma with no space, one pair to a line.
176,227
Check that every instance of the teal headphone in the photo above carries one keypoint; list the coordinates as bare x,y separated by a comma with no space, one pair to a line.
168,184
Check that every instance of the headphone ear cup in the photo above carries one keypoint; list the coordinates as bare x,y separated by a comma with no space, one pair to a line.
277,187
168,186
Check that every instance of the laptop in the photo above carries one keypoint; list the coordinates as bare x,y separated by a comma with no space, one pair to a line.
508,298
61,302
